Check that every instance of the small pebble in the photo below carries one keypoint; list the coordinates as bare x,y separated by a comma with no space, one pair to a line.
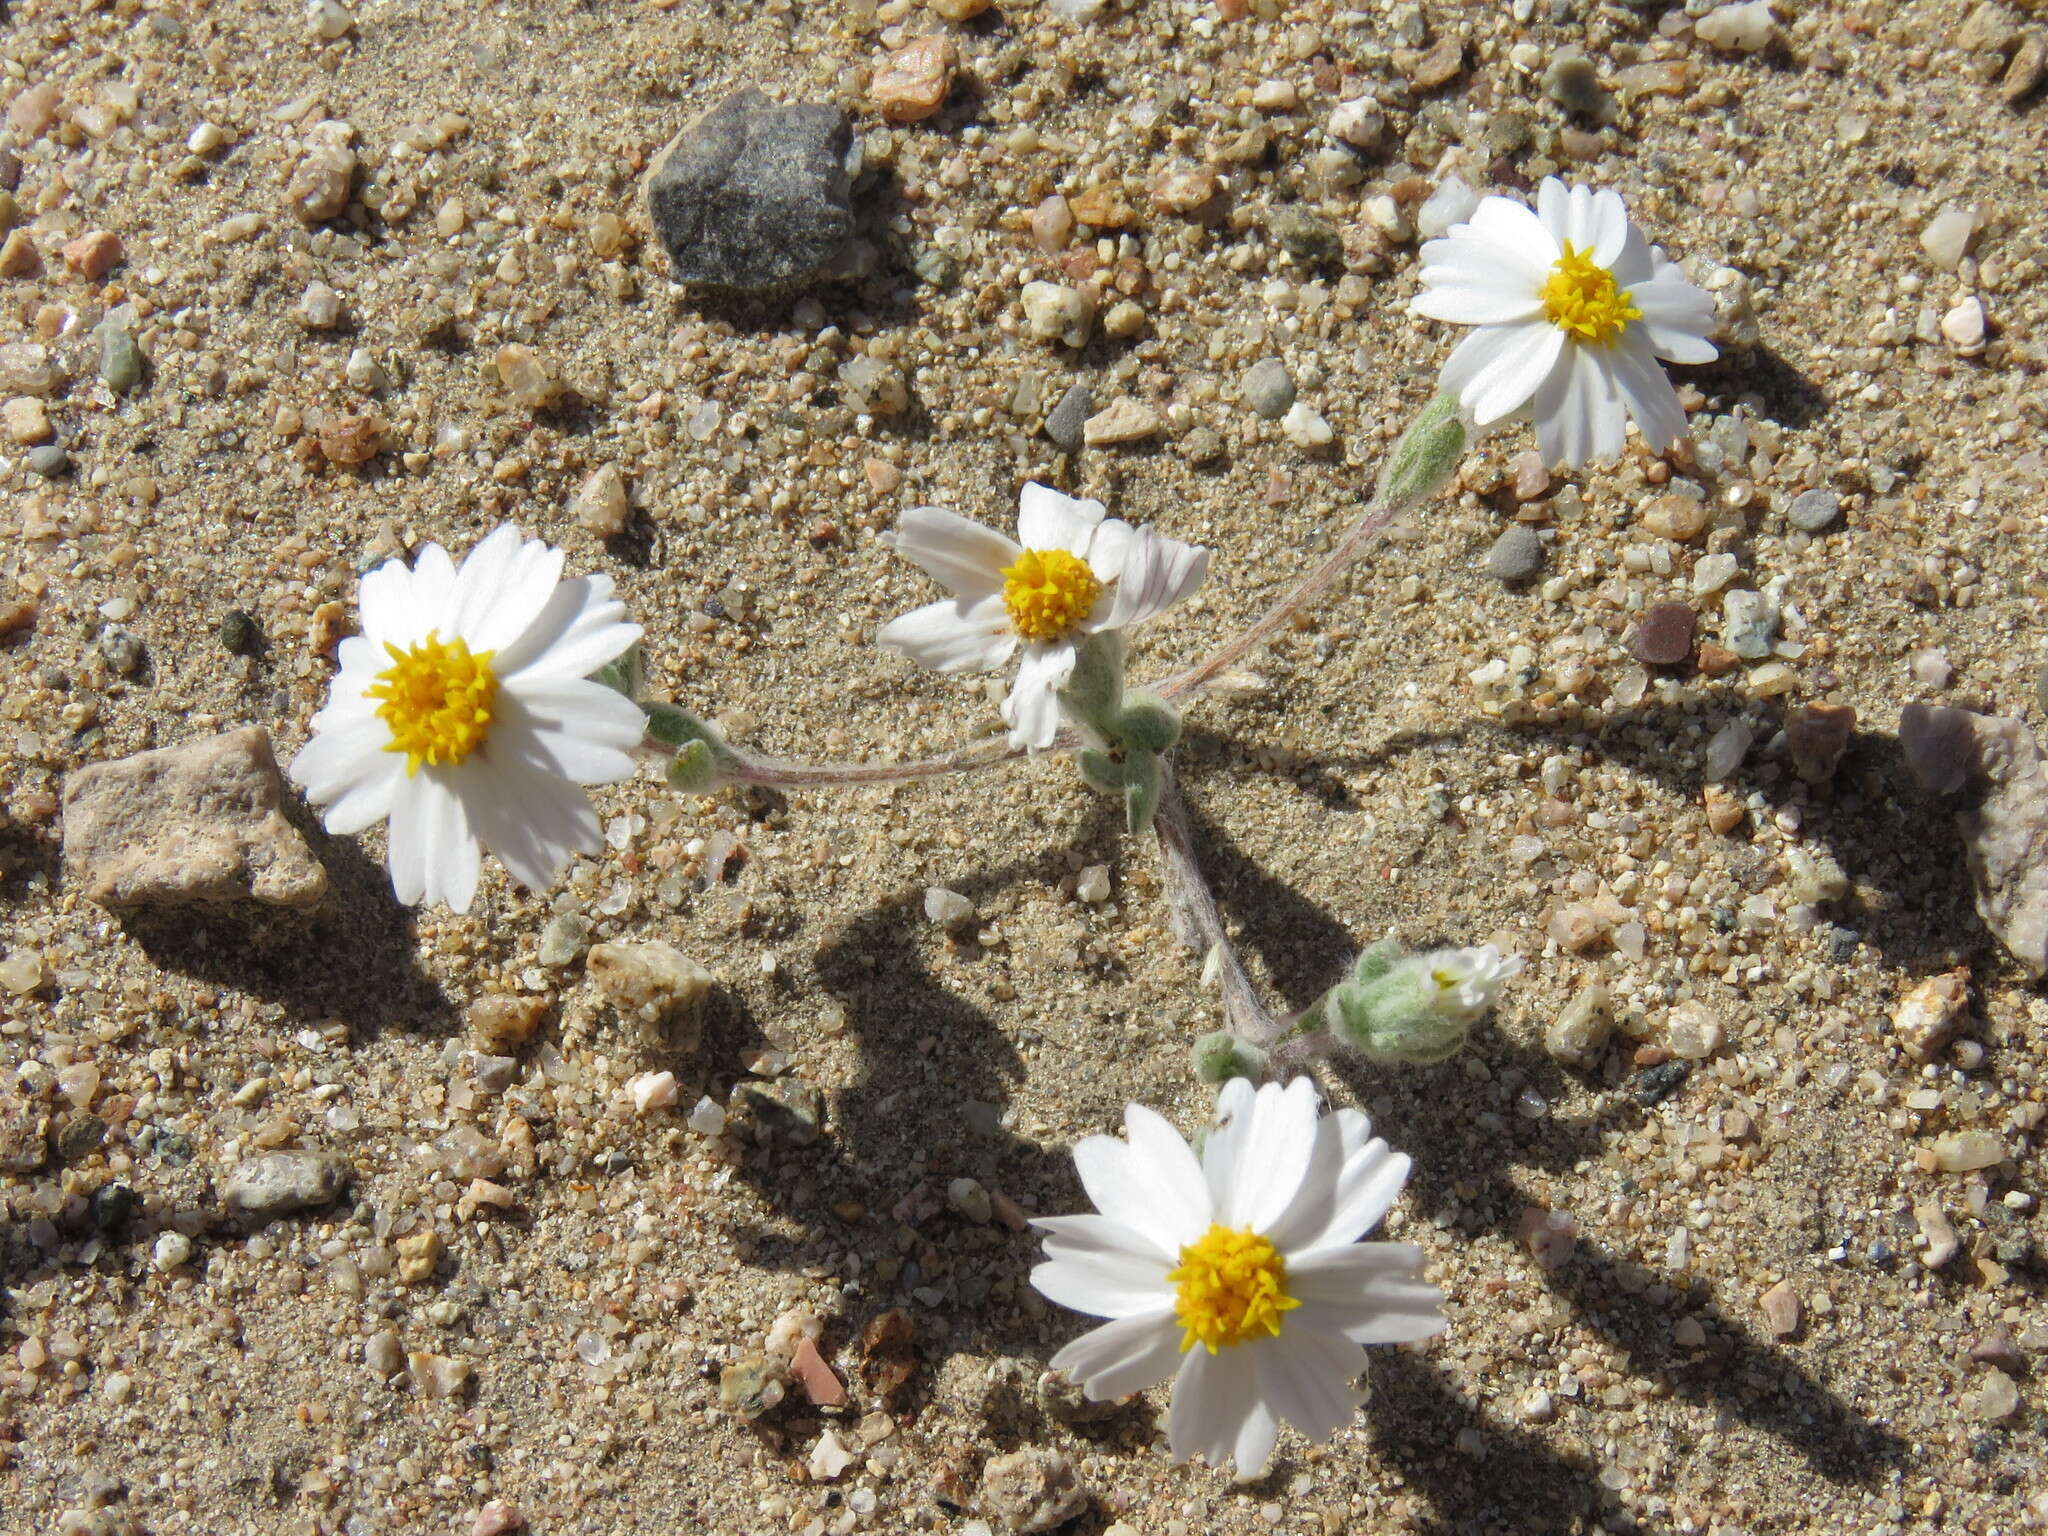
1812,511
283,1182
947,909
1664,634
1517,555
1693,1032
1781,1309
1124,420
1573,83
1675,517
1267,388
172,1251
49,460
1964,327
1741,28
1305,426
1064,424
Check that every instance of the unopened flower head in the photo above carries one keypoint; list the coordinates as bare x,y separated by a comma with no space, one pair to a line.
1573,308
1414,1010
1069,573
1238,1273
463,713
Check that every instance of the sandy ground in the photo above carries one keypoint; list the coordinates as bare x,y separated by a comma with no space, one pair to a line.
1628,1378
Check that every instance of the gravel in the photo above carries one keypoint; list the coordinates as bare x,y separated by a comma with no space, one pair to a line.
1516,556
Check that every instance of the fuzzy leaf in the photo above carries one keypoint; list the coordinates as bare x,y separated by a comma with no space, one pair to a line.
1427,455
1221,1056
1146,724
1143,782
696,768
1101,772
1095,688
622,673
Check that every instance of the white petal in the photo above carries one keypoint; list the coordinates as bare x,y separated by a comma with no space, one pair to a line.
405,840
1595,225
1102,1282
1273,1150
1678,318
1579,412
1470,282
478,580
1507,371
1651,399
951,636
452,858
367,800
1212,1398
534,821
1032,710
565,730
1511,230
1371,1293
385,609
339,757
1309,1377
500,603
963,556
1174,1178
1091,1232
1342,1204
1219,1147
1256,1435
1124,1356
1606,225
1121,1186
580,628
1048,520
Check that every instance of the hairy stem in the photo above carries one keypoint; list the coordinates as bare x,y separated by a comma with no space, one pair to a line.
1191,908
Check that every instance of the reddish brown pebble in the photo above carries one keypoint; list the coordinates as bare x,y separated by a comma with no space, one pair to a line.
883,477
1817,735
93,255
497,1518
821,1385
1781,1309
352,439
1716,660
1663,636
1008,1211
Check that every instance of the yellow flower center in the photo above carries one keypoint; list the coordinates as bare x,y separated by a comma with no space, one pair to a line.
1581,300
437,700
1048,593
1233,1287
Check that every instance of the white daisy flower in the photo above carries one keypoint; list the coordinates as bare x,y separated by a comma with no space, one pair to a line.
1073,573
1574,308
1239,1273
465,714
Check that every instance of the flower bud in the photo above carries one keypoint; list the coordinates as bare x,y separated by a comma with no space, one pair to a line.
1221,1056
702,760
1414,1009
1427,455
1146,724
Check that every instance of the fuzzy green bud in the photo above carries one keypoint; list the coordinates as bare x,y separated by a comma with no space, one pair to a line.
1147,724
1221,1056
1427,455
702,760
1394,1020
1377,960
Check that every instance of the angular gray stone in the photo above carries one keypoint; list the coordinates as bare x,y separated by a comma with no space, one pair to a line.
1034,1489
754,195
1268,388
1063,425
1516,555
198,822
283,1182
2005,833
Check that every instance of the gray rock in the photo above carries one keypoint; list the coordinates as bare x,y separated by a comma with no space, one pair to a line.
1517,555
1811,511
122,651
1307,237
49,460
753,195
1268,388
1749,621
1574,84
2005,834
1032,1490
199,822
563,939
283,1182
1066,420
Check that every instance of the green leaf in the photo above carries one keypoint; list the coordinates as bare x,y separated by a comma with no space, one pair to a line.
1221,1056
1146,724
1378,960
1101,772
623,673
1427,455
1095,688
673,726
696,768
1143,782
